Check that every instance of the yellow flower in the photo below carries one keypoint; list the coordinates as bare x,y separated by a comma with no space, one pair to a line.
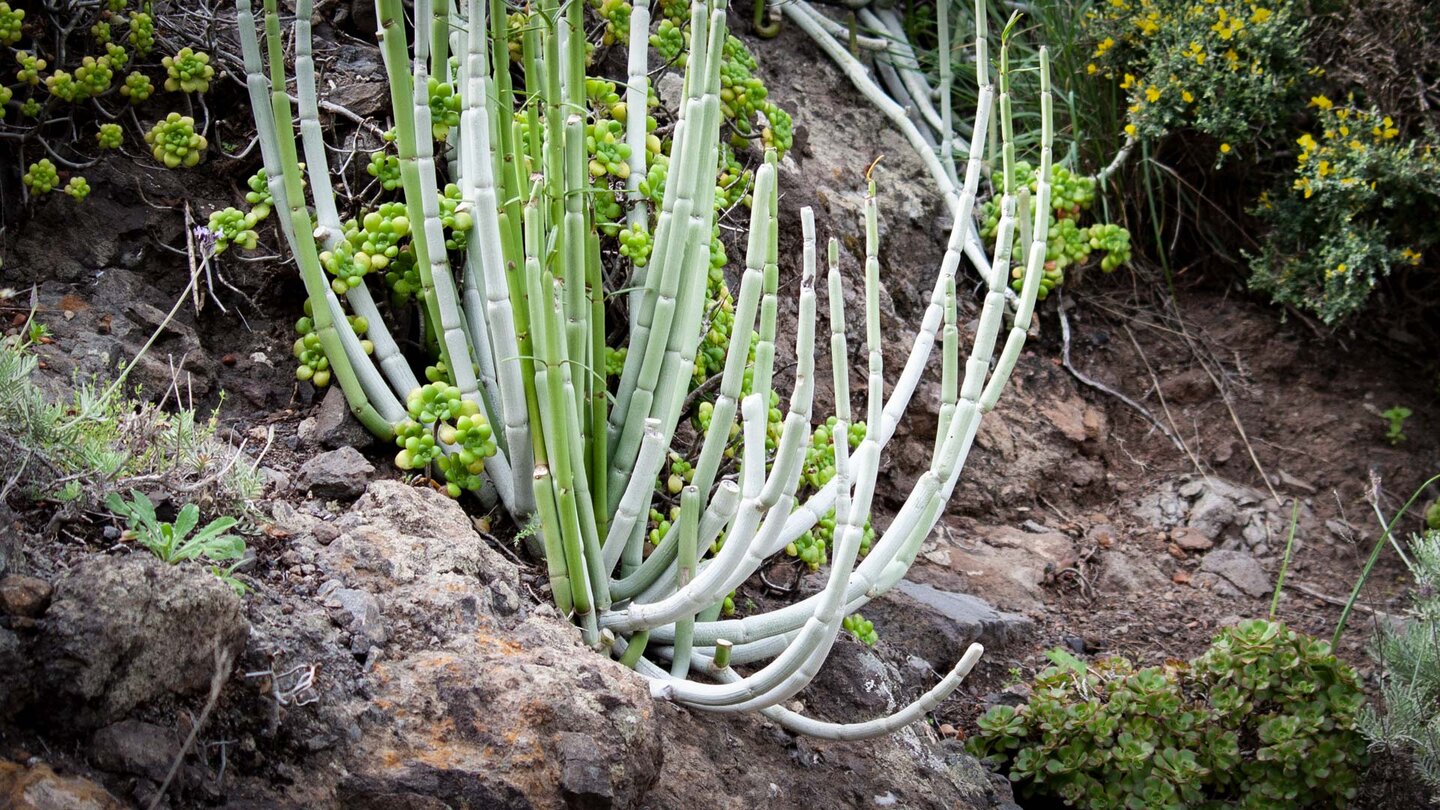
1187,96
1324,169
1411,256
1105,44
1091,69
1261,15
1224,148
1130,130
1303,184
1322,102
1128,82
1152,93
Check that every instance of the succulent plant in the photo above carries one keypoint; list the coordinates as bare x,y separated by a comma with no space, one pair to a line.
109,136
78,188
174,142
11,22
41,178
188,71
137,87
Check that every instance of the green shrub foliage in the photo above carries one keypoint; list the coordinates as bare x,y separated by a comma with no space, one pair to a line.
1409,657
1265,718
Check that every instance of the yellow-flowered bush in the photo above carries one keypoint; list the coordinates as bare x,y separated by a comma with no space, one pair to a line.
1226,68
1363,202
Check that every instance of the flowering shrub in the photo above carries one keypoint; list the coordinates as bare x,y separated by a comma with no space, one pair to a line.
1222,67
1363,203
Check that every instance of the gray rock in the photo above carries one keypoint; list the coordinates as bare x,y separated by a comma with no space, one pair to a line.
135,748
1239,569
1212,514
333,426
1121,573
122,632
939,625
341,474
361,614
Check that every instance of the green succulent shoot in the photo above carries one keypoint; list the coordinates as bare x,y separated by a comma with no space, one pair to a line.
142,33
175,143
41,178
11,21
137,87
110,136
233,226
78,188
30,67
188,71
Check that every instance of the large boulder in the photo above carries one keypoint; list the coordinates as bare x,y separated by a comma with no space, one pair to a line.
122,632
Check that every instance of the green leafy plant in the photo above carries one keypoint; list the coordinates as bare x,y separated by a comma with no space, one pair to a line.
184,539
137,87
1395,428
1265,718
175,143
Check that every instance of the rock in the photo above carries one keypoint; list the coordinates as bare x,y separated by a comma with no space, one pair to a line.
24,596
550,724
1191,539
17,687
1239,569
340,474
856,682
1008,565
122,632
135,748
37,787
939,625
1122,573
361,615
1212,513
333,425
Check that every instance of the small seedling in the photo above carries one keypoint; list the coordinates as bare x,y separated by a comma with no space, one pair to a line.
1397,416
174,542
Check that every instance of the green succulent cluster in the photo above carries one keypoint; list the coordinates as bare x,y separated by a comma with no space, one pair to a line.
117,55
259,197
91,78
313,366
233,226
188,71
1069,244
31,108
5,95
385,168
78,188
616,14
444,108
861,628
174,142
457,221
368,244
142,33
30,67
100,31
109,136
11,21
41,177
137,87
1265,718
440,417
